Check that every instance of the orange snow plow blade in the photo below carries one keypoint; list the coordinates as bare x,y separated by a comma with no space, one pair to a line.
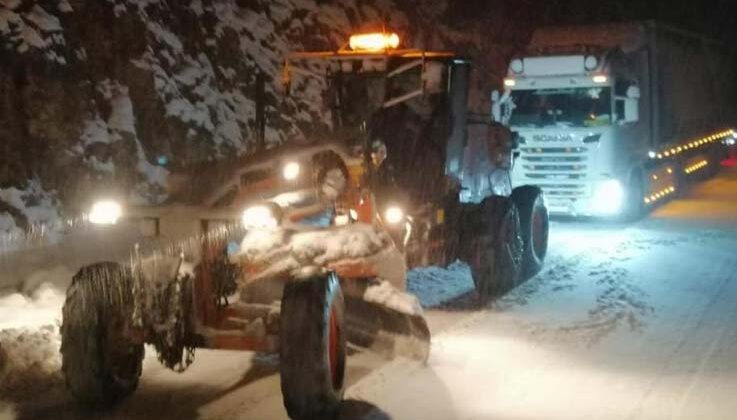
380,316
386,331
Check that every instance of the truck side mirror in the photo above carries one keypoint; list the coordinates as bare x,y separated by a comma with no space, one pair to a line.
633,92
628,110
628,107
631,110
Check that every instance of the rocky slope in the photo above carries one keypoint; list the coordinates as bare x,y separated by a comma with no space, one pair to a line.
113,96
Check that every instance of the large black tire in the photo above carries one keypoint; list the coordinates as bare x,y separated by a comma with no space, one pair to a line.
100,364
534,228
496,251
312,347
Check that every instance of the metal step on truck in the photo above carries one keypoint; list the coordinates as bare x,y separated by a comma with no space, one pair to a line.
614,119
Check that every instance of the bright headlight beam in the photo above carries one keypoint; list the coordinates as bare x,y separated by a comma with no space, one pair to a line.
291,171
259,217
609,197
106,212
394,215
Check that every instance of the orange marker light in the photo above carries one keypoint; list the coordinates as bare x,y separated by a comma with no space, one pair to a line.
374,42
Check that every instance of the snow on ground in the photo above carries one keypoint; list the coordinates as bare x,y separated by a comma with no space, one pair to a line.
626,321
435,285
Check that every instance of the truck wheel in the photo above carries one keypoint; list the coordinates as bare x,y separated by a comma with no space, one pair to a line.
312,347
496,252
100,363
534,228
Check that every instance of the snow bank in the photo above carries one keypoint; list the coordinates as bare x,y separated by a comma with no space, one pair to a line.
42,306
29,361
29,337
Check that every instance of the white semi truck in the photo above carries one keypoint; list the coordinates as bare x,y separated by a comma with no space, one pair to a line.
613,119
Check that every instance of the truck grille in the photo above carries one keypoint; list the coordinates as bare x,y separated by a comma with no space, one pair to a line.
556,169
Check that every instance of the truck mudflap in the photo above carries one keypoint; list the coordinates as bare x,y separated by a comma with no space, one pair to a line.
380,315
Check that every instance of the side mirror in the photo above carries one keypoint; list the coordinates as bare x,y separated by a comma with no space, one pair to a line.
628,110
631,110
628,107
633,92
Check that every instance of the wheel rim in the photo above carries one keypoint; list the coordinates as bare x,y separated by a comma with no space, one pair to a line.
538,232
333,347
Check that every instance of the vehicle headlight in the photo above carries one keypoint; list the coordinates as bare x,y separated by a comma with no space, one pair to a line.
609,197
291,171
259,217
105,212
394,215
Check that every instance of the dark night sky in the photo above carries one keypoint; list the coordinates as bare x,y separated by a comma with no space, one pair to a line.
714,18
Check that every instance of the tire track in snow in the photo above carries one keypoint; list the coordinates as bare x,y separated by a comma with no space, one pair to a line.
618,302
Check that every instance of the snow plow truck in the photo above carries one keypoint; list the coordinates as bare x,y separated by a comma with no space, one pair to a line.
302,249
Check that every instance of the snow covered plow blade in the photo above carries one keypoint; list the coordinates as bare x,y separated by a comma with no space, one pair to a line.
380,315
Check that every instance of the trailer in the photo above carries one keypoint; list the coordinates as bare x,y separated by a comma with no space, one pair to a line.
614,119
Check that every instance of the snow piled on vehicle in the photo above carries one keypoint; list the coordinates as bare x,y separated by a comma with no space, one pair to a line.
385,294
285,251
288,250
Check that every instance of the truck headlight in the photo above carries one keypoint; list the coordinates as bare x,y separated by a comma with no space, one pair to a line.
394,215
608,197
259,217
291,171
105,212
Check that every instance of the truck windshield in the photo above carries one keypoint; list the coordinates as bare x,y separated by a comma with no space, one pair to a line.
571,107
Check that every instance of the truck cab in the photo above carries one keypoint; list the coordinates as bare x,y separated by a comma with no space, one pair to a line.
575,112
610,120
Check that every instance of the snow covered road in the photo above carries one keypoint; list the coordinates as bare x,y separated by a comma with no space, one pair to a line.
625,322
